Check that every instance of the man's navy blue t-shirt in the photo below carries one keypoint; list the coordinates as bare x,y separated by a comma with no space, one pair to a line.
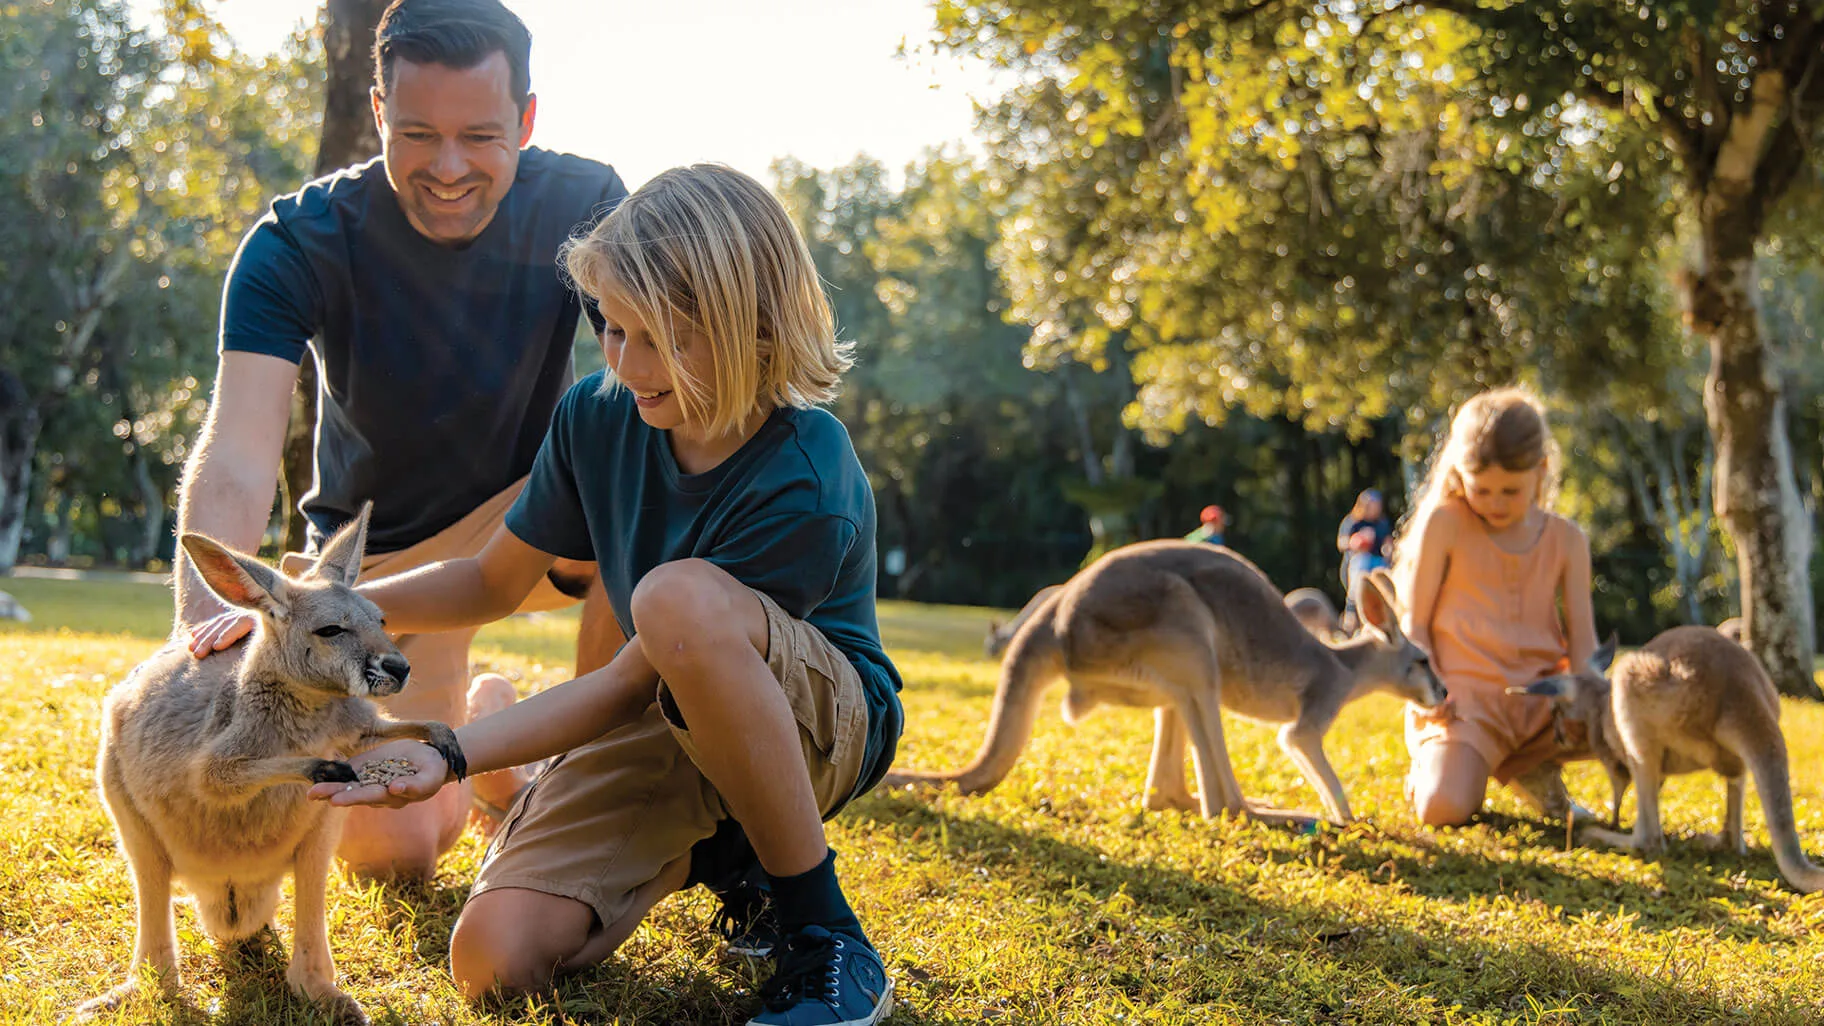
439,366
790,515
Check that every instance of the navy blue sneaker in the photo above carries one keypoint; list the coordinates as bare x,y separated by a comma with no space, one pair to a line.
825,979
747,923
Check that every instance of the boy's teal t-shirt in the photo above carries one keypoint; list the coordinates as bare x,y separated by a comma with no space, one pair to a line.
790,514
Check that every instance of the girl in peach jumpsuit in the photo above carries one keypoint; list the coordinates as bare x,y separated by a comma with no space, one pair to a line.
1498,590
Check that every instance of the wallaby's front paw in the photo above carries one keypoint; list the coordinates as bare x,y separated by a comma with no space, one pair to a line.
443,739
333,771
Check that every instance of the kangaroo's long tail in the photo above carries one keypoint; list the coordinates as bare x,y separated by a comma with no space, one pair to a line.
1766,759
1034,659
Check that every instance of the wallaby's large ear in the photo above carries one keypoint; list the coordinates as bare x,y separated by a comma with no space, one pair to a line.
236,579
1604,656
1374,600
341,559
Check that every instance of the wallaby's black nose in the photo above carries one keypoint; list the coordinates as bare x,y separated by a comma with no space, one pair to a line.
396,667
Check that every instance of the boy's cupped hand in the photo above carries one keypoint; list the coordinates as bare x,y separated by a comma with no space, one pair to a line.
426,776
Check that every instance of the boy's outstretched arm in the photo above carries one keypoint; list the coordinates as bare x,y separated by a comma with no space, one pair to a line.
436,597
549,723
458,593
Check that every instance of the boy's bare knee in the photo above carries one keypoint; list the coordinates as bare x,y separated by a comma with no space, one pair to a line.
514,941
690,608
674,596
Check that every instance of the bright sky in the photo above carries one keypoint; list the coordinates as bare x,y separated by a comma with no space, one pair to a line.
649,86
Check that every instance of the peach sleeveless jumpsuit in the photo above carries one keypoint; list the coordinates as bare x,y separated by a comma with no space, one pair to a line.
1496,624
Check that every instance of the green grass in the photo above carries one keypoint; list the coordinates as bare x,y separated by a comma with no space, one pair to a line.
1053,899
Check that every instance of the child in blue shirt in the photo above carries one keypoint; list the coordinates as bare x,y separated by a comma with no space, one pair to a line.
735,532
1363,538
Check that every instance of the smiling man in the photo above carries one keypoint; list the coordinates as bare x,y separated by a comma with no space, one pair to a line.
425,285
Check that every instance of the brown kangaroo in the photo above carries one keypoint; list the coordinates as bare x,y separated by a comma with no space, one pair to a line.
1189,629
1688,700
204,763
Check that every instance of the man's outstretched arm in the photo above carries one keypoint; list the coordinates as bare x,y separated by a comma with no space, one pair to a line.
232,475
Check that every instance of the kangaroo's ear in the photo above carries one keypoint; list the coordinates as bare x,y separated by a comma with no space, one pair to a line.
340,562
1604,656
237,579
1563,688
1374,600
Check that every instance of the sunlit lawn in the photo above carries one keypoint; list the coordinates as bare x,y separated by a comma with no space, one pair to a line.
1053,899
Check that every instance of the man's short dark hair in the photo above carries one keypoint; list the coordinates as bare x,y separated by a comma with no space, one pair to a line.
456,34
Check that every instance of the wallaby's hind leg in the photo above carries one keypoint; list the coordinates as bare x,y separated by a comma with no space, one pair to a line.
1165,787
1619,779
1648,837
312,973
1217,790
1731,839
155,943
1303,743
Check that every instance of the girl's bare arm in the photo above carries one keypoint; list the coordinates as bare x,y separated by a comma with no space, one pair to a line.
1435,538
1579,615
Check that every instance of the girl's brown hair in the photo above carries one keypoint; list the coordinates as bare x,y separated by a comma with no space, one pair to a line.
710,246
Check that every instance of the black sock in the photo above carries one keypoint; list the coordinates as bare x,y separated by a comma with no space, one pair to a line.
814,898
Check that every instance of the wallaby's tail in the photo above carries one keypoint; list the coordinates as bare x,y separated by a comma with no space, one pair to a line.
1034,659
1772,781
232,911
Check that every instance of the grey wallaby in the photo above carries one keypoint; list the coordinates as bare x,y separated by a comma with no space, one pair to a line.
1688,700
1315,610
204,763
1189,629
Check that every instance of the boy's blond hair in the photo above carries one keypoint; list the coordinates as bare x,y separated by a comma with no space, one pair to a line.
711,246
1503,428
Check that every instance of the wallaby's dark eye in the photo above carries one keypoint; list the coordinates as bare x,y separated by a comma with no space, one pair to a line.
329,632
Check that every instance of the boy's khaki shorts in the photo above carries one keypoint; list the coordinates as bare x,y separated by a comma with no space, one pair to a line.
607,816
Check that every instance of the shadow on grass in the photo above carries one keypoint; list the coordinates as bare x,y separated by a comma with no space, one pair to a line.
1357,957
1692,894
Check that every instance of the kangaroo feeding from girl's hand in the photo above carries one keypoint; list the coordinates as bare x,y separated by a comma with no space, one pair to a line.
1688,700
1190,629
204,763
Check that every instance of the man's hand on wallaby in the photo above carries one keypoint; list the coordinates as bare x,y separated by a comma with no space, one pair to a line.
221,632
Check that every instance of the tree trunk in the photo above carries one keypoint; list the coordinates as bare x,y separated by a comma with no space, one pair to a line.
349,137
1757,499
19,428
63,530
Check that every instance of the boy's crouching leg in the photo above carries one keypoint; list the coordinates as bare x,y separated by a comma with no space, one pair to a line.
516,941
513,941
